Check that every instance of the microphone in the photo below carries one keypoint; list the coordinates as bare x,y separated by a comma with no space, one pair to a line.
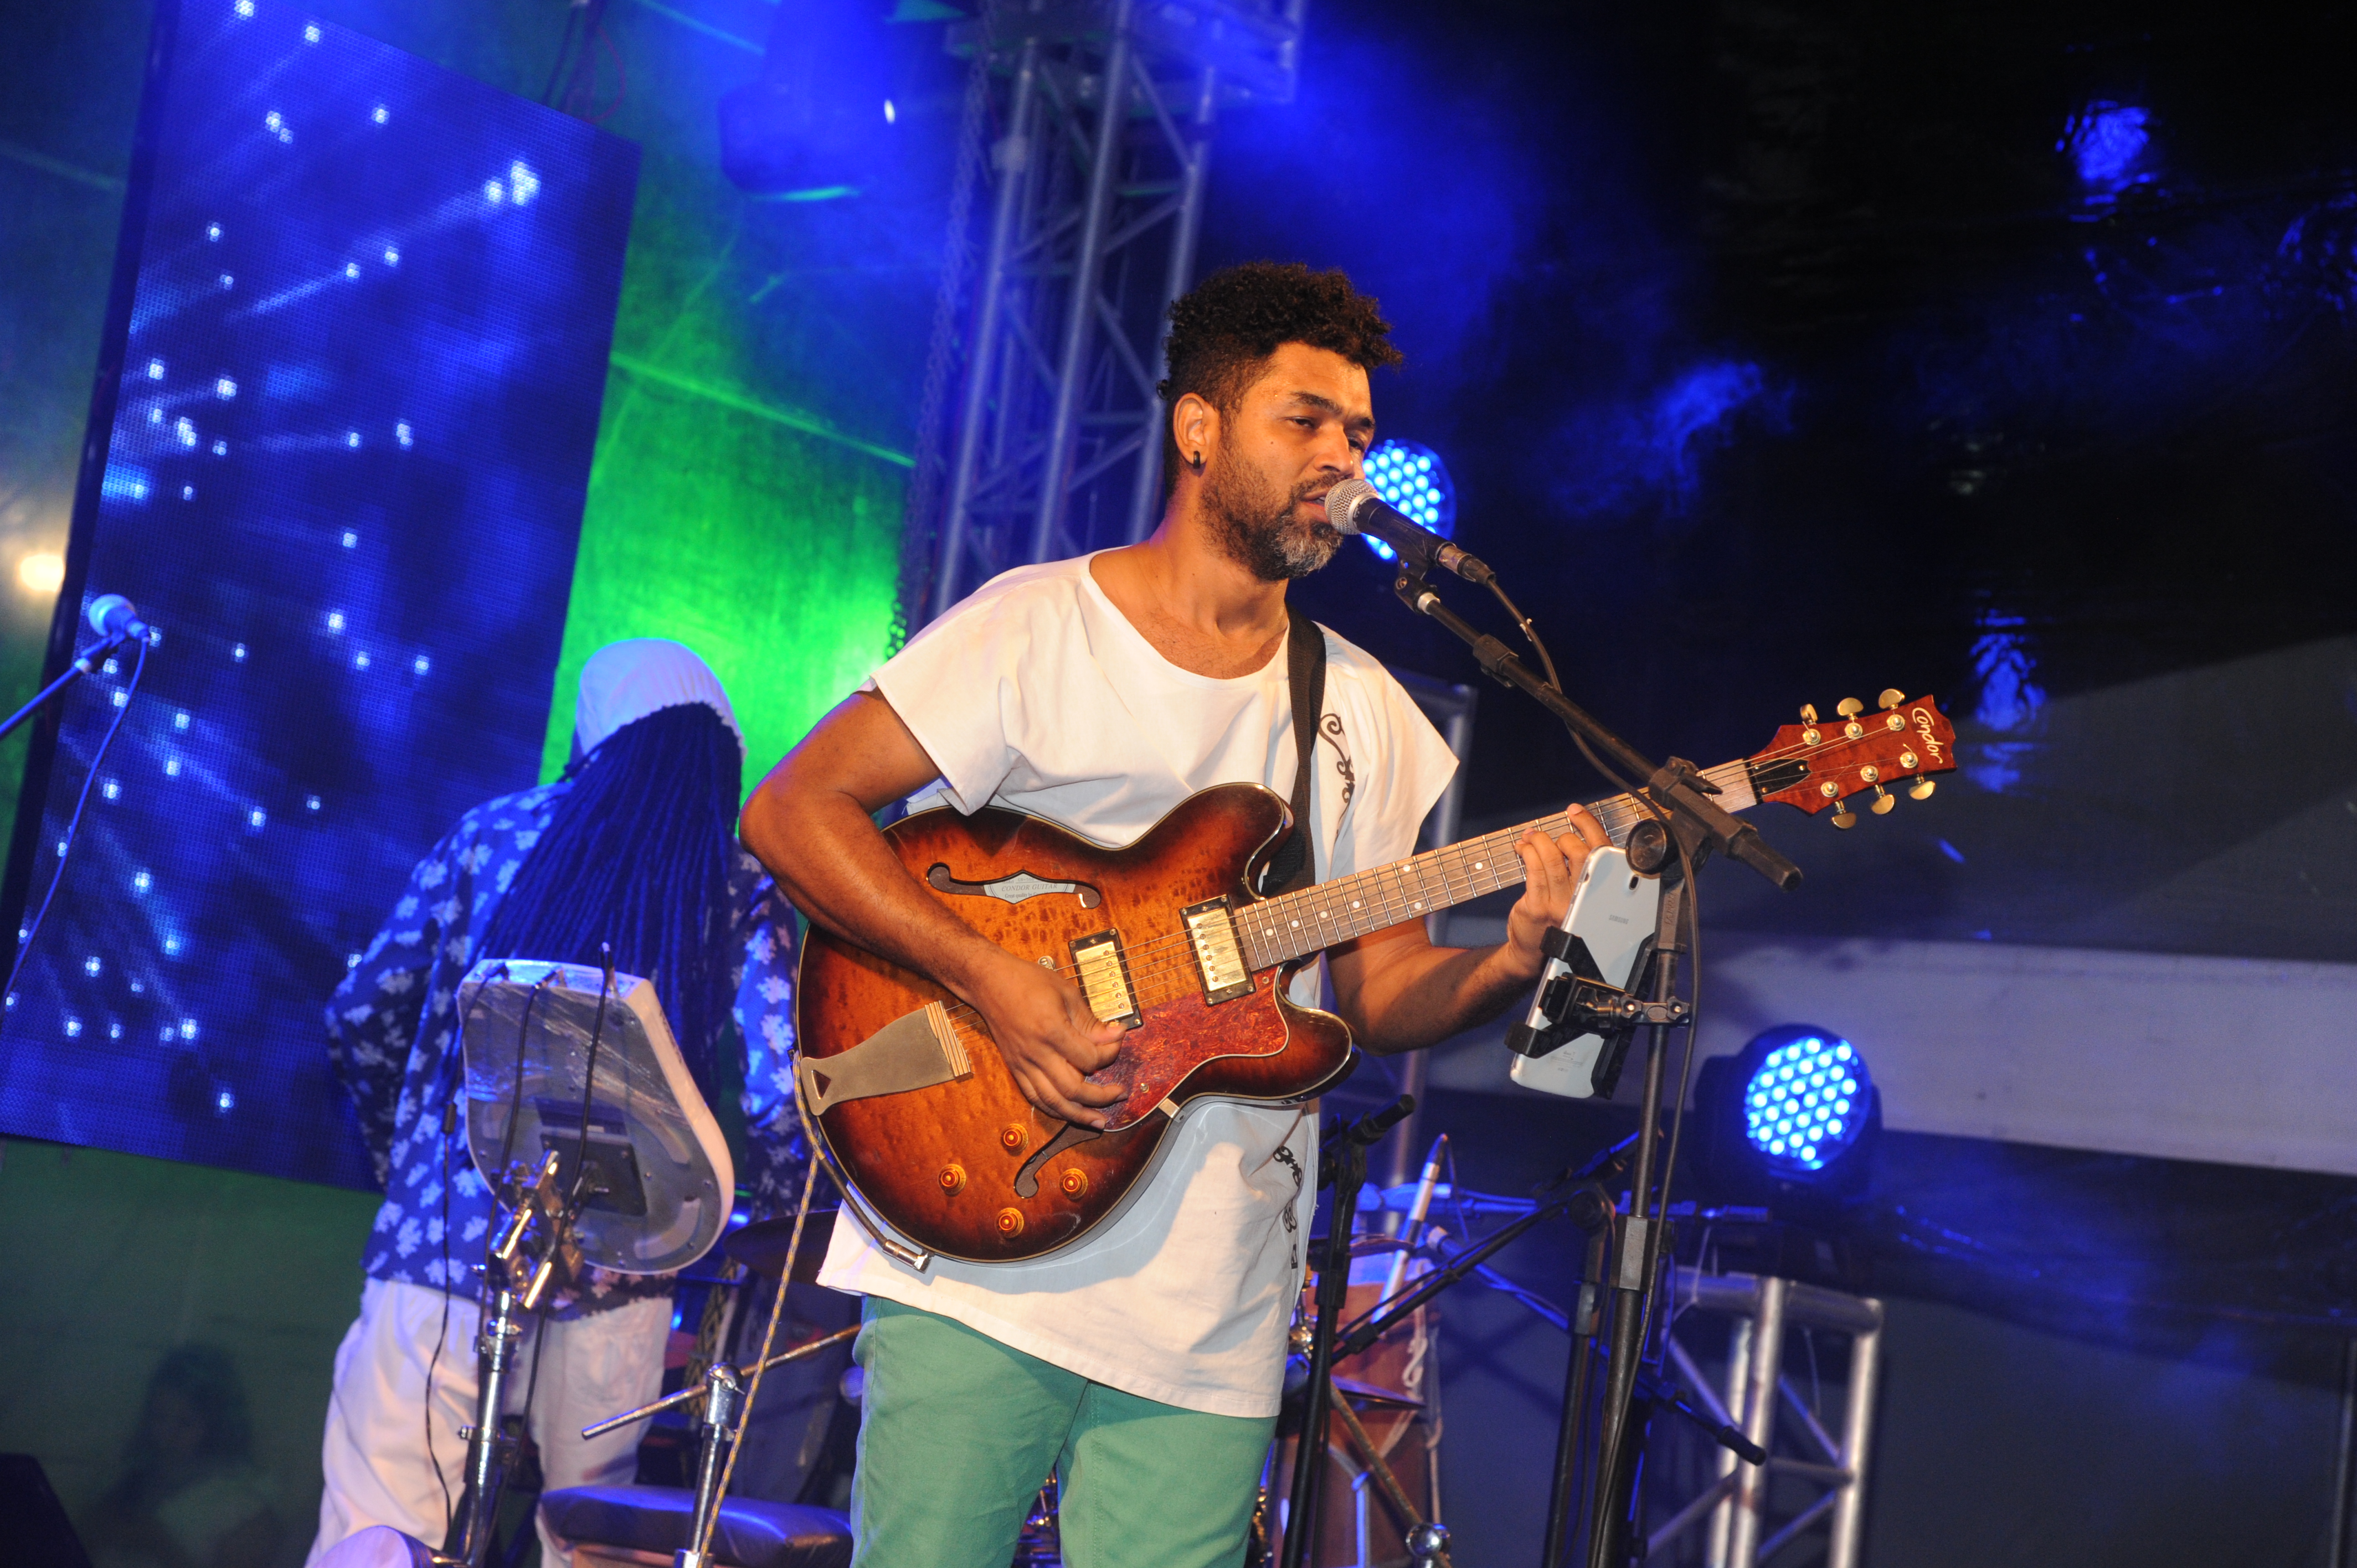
1353,507
112,615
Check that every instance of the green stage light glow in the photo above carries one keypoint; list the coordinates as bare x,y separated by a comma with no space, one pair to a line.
746,532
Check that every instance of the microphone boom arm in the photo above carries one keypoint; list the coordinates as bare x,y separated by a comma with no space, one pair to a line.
1694,816
83,663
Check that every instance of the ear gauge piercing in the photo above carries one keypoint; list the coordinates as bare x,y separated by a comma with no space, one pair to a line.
1196,462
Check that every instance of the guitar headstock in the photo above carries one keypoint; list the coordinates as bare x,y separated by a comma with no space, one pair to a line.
1819,763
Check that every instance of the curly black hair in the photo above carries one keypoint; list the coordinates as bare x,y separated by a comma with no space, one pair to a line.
1225,330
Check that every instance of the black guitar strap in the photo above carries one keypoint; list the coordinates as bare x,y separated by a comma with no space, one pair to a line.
1294,864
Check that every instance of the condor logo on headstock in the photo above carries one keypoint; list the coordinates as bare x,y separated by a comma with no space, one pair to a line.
1814,766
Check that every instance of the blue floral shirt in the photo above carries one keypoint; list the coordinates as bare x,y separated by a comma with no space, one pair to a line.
392,1029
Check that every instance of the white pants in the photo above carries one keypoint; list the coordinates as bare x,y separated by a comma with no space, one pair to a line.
374,1458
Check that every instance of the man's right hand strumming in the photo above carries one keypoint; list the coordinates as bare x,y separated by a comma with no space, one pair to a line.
1050,1040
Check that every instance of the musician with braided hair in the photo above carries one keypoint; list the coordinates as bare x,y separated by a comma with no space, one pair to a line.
636,846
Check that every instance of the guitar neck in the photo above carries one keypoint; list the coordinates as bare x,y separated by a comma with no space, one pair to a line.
1295,925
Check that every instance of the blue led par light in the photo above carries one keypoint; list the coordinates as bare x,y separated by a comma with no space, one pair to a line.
1413,480
1795,1114
1806,1103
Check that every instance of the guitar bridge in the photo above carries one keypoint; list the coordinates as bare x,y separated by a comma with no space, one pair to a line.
1219,958
1104,979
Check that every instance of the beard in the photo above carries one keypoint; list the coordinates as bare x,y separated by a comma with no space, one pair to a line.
1252,517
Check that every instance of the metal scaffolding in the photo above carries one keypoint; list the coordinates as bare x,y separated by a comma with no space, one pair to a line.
1736,1505
1087,136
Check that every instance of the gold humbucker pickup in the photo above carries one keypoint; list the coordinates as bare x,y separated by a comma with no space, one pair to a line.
1104,979
1219,962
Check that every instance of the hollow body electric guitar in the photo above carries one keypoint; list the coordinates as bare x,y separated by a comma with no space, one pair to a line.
912,1105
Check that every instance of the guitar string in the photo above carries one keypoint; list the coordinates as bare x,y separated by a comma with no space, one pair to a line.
1620,807
1149,964
1509,870
1148,961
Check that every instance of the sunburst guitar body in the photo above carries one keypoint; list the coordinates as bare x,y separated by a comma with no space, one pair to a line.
966,1167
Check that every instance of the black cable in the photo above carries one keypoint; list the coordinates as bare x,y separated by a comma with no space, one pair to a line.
563,52
1530,633
73,823
515,1102
442,1330
592,14
590,1082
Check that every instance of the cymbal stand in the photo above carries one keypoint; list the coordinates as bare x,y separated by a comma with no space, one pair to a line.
723,1394
1581,1196
723,1397
1347,1151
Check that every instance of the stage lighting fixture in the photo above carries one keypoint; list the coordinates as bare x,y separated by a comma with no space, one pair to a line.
820,121
1413,480
1789,1120
1806,1103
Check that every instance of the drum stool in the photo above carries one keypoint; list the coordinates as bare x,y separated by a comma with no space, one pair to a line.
609,1526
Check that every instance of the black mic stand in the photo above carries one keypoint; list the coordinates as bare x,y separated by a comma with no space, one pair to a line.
83,663
1675,792
1346,1155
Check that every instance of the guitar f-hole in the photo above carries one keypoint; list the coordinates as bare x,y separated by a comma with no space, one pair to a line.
1012,889
1027,1180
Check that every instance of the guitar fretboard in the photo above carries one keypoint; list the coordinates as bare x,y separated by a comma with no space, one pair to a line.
1295,925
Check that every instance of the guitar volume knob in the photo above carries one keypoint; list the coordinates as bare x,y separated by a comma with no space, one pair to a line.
1010,1222
1075,1183
1011,1138
952,1179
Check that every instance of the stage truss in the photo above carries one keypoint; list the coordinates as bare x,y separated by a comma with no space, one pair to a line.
1086,140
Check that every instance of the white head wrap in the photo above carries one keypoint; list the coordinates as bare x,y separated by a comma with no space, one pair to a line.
624,681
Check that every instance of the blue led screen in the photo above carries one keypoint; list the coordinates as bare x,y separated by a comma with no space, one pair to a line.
359,396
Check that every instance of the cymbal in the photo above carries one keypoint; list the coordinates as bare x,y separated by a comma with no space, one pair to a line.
1446,1198
761,1246
1363,1247
1362,1392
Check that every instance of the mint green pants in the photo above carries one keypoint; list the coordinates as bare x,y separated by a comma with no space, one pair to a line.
957,1432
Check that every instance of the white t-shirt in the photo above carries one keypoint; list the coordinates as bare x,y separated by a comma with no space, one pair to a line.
1036,695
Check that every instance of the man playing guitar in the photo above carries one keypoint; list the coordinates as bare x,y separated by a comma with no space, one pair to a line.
1143,1364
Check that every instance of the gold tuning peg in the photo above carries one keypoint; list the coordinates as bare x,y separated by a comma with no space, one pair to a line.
1921,789
1883,802
1843,816
1808,712
1892,697
1849,707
